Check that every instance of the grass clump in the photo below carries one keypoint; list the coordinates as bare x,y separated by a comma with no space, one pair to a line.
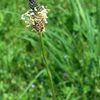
71,47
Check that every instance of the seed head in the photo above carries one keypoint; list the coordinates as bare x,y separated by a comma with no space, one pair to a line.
36,18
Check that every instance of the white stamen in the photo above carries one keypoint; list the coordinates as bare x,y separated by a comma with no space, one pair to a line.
35,9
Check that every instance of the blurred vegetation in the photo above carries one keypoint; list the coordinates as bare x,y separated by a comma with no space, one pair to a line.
72,49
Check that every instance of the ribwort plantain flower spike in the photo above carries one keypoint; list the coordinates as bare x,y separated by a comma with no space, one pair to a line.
36,16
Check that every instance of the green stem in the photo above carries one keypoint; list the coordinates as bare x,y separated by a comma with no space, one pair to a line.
98,23
98,14
47,68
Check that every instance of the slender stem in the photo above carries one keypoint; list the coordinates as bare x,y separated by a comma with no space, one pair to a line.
98,23
98,13
47,68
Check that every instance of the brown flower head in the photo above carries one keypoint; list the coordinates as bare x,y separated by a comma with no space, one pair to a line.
36,18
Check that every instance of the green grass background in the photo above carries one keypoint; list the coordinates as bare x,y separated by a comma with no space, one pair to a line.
72,49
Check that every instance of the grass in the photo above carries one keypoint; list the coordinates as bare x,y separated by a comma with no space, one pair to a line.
71,47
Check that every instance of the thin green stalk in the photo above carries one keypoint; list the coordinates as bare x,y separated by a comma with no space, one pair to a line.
47,68
98,23
98,13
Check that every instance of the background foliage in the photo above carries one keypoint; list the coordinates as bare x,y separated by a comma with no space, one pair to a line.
72,49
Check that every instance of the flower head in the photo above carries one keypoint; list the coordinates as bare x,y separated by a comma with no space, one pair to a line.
36,18
33,86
